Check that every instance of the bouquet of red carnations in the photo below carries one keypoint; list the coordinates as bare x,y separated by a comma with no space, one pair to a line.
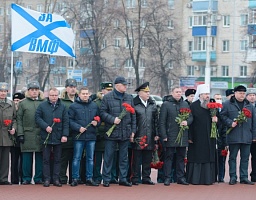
242,117
127,109
214,107
183,116
55,120
96,118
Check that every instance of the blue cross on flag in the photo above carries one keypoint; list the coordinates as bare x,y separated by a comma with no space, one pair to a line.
36,32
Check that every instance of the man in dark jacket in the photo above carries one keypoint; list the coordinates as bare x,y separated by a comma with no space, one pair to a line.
146,125
7,131
67,98
242,134
52,117
169,129
82,122
111,107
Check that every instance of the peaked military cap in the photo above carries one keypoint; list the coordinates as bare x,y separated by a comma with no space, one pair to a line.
189,92
3,86
71,82
33,85
106,85
144,87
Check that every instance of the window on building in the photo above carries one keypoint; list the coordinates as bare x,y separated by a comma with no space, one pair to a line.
116,23
142,63
39,8
170,24
252,41
243,70
116,63
143,42
190,70
170,4
225,46
57,80
244,19
117,42
144,3
29,7
243,45
225,70
143,23
252,17
190,45
129,43
202,70
190,21
170,43
170,64
129,23
1,11
200,20
128,63
104,44
226,20
199,43
130,3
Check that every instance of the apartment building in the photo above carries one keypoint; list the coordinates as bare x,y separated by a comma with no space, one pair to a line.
232,48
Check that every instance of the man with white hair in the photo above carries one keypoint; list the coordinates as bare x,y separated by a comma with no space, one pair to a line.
201,150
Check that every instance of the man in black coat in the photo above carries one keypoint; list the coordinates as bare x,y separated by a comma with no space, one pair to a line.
169,129
52,117
146,123
242,134
110,110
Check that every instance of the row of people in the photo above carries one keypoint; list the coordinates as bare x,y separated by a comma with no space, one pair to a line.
36,122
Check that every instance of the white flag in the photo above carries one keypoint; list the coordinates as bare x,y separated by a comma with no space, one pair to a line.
36,32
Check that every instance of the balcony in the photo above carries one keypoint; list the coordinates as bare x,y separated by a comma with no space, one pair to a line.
200,56
203,6
252,4
202,31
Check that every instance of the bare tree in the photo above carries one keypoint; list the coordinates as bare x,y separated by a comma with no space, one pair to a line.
165,55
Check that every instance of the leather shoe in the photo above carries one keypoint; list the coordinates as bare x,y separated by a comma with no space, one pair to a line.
106,184
26,182
167,182
5,183
135,183
114,181
90,182
74,183
182,182
39,182
57,183
246,181
149,182
125,183
232,182
46,183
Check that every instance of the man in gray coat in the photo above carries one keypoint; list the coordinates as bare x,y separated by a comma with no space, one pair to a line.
242,134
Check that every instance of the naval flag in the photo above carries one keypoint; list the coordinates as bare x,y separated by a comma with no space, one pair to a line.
36,32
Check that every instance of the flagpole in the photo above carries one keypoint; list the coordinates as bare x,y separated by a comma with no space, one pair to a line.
11,85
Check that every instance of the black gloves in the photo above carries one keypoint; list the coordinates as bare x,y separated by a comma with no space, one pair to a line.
21,139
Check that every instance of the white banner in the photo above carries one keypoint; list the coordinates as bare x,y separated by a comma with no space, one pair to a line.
36,32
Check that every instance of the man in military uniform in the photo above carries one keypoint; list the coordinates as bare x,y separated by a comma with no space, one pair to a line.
16,155
7,112
67,97
106,87
29,134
